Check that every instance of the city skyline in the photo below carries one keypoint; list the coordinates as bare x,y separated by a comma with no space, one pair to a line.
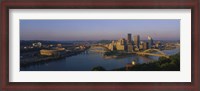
66,30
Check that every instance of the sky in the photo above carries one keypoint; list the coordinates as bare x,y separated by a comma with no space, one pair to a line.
70,30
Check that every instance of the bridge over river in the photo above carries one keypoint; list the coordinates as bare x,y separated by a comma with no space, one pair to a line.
150,52
99,48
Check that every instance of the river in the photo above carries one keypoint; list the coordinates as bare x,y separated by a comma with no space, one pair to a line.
90,59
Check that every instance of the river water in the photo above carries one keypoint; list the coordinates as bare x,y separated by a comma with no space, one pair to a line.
90,59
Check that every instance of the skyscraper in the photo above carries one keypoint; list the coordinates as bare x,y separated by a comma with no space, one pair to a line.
130,48
129,43
129,39
120,44
137,40
150,41
145,45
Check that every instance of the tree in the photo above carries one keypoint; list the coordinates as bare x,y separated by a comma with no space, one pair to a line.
98,68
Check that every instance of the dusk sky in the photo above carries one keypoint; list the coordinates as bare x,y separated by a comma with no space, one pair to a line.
65,30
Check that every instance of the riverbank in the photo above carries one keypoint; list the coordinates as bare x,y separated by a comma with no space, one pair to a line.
39,59
87,60
163,64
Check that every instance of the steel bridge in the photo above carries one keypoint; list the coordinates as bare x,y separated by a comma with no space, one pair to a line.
105,49
149,52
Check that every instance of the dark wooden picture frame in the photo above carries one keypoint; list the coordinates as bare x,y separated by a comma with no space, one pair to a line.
104,4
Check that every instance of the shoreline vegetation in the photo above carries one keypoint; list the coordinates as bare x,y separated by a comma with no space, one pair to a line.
162,64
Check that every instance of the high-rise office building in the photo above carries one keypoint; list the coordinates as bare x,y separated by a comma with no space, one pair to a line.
129,41
145,45
158,45
120,44
130,48
150,41
137,40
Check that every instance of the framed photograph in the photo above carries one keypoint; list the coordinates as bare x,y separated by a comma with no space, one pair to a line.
100,45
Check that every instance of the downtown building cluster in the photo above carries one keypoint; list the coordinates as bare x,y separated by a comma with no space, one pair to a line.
130,45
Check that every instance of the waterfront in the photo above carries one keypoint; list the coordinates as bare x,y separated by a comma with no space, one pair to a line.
89,59
72,45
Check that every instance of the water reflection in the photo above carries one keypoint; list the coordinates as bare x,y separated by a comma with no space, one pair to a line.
90,59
